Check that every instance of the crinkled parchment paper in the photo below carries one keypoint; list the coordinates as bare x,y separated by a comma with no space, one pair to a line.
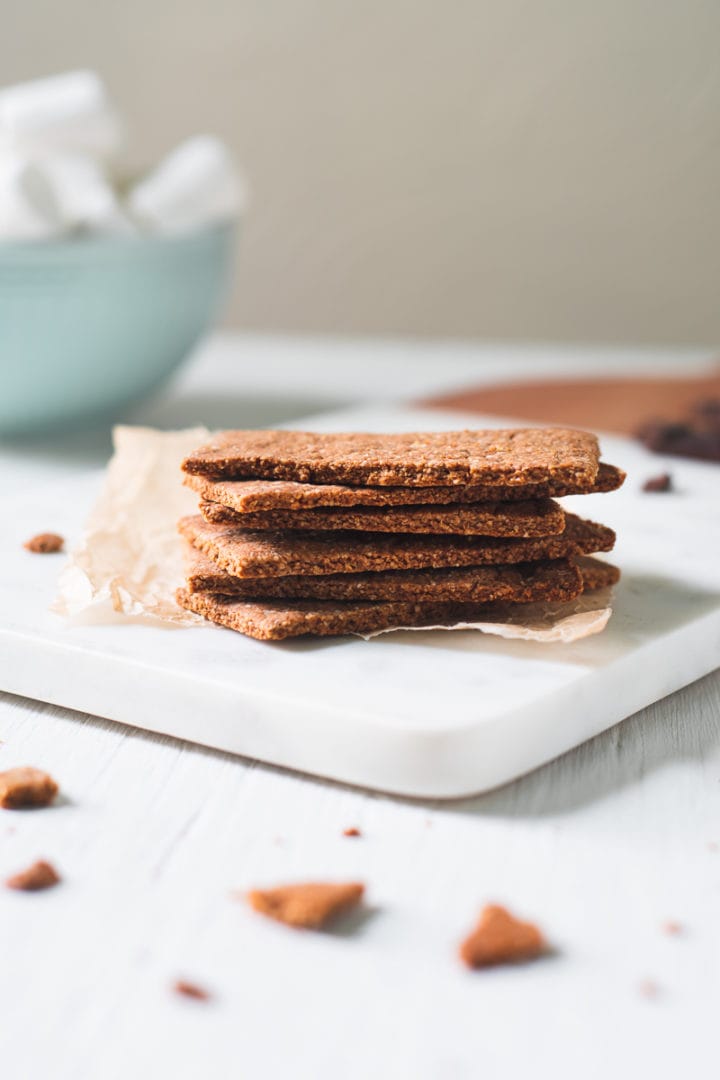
549,622
129,562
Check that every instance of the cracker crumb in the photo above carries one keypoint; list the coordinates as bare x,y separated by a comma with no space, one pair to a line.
26,786
500,938
648,988
672,928
41,875
44,543
191,990
309,905
352,831
661,482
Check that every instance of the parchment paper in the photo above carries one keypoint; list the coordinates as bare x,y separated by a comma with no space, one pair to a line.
129,562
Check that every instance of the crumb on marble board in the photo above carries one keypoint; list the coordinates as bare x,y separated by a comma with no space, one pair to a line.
44,543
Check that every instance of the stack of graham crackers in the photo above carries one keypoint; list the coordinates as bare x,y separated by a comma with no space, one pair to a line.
305,533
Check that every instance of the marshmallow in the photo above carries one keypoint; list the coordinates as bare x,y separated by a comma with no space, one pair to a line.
66,113
29,209
197,184
84,194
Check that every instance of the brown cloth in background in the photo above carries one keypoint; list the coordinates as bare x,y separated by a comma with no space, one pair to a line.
618,404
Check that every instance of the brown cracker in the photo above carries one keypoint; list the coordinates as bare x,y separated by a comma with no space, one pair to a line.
307,906
249,496
267,554
596,573
539,517
446,458
500,938
273,620
520,583
26,786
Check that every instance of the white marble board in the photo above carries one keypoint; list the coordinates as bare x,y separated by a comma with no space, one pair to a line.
428,714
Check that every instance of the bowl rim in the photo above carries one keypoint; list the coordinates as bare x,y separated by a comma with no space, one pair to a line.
79,246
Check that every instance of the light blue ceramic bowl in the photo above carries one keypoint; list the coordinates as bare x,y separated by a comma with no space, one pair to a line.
93,324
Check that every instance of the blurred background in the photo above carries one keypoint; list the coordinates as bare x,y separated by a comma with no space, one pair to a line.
518,169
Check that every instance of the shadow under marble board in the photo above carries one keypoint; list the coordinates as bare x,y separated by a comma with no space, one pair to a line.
425,714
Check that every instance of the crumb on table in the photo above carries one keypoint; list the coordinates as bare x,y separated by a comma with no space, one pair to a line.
191,990
500,938
41,875
26,786
308,906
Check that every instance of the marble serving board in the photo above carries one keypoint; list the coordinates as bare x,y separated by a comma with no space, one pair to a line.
431,714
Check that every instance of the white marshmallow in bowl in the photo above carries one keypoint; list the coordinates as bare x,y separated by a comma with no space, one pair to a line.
197,184
84,193
67,113
29,208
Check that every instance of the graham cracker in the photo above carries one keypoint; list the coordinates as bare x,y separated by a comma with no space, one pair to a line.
539,517
247,554
273,620
447,458
246,496
522,583
596,573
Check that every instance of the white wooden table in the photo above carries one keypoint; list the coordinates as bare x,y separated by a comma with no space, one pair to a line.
602,848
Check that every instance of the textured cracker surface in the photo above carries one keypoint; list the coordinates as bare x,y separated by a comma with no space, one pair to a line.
446,458
539,517
266,554
272,620
522,583
248,496
596,573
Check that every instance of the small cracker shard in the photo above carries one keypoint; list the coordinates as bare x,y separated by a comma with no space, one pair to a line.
26,786
672,928
308,906
352,831
44,543
500,938
41,875
191,990
661,482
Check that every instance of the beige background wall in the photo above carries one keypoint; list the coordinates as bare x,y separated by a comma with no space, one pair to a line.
497,168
